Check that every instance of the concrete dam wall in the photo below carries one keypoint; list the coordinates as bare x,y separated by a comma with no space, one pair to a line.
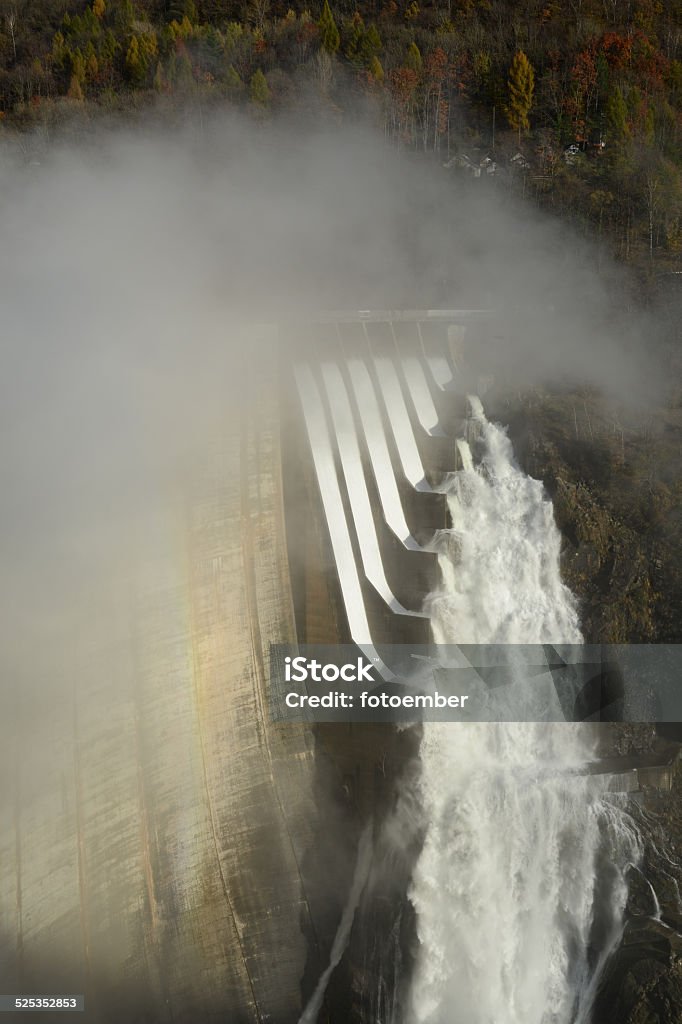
166,848
154,830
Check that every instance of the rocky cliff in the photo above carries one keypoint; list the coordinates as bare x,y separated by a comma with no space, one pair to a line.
614,476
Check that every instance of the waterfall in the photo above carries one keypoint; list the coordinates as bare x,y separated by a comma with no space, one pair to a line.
512,917
360,875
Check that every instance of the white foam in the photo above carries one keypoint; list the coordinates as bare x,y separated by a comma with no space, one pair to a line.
504,888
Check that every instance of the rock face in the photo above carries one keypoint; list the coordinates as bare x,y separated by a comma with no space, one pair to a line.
622,555
642,983
642,901
615,482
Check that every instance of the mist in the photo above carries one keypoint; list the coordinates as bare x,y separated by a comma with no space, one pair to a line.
131,267
138,276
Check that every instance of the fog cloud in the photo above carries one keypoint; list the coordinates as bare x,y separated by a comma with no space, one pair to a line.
138,275
132,268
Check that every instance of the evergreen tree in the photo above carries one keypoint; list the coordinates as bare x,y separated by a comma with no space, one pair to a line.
521,88
413,58
376,70
125,16
354,30
617,118
371,45
181,29
329,33
75,90
134,63
180,71
176,10
91,62
148,48
110,46
260,93
78,66
233,81
58,51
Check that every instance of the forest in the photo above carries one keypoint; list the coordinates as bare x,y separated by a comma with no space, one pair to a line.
577,104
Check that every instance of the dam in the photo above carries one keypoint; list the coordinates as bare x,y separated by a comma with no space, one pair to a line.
167,848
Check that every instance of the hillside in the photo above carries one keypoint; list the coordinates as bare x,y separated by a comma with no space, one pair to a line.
579,106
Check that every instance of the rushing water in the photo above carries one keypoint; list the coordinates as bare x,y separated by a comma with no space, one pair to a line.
522,857
362,867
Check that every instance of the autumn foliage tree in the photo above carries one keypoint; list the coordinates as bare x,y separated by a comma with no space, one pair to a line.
521,92
582,96
75,92
402,84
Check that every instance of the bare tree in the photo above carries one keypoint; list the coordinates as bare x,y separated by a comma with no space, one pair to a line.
324,71
651,192
11,22
257,13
